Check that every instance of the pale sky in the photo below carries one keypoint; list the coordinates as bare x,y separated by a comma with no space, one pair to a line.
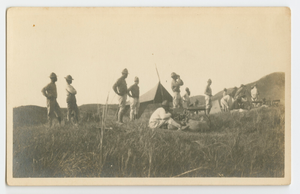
229,46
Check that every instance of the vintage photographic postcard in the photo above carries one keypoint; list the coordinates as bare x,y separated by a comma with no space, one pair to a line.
149,96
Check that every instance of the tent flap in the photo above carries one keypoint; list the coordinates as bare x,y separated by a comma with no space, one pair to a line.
142,108
156,95
215,108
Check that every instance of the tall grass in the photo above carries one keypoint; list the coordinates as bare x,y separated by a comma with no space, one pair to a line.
247,144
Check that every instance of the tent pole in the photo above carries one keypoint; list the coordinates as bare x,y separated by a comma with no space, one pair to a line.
162,94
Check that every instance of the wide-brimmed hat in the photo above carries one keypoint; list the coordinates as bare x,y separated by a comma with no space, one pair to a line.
69,77
52,75
136,79
173,74
125,71
165,103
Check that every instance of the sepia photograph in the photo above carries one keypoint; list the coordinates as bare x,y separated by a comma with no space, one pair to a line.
148,96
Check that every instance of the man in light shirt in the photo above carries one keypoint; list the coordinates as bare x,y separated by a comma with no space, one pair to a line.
50,92
120,88
162,116
254,95
175,86
208,96
226,103
71,100
134,93
186,97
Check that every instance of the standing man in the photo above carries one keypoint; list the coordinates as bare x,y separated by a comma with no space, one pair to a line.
208,96
186,97
50,92
120,88
254,95
71,100
175,85
134,93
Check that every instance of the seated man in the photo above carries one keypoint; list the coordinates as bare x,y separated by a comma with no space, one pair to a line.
162,116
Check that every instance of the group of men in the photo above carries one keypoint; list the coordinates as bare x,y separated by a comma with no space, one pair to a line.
120,88
238,98
160,117
178,100
235,100
53,108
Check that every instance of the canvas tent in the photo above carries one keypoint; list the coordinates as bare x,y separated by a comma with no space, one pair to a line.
215,107
156,95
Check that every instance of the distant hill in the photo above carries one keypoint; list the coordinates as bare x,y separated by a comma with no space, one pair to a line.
32,115
271,86
29,115
95,107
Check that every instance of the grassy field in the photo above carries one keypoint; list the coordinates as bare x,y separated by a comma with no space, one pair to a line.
249,144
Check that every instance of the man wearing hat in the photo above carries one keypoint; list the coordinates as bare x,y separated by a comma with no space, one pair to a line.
134,93
162,116
175,85
254,95
208,96
71,100
120,88
50,92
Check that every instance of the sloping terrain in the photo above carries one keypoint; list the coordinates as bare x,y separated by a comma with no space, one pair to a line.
271,86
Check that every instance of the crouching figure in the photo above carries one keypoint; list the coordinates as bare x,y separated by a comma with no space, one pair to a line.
162,116
226,103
